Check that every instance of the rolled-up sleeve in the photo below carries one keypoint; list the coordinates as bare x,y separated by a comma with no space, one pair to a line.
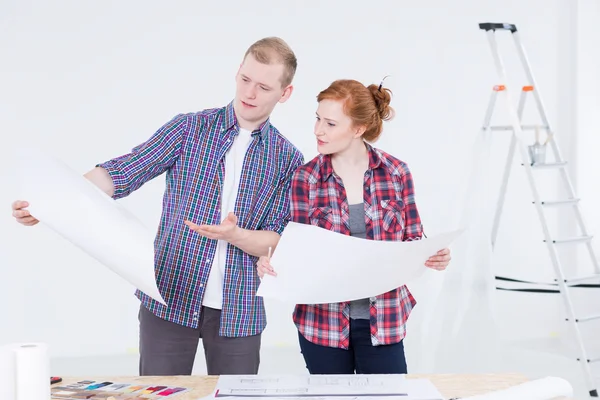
413,228
147,160
280,212
299,197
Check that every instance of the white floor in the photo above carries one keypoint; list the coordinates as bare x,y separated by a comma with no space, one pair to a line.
533,360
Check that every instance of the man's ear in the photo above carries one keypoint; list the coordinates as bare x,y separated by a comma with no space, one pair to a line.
287,92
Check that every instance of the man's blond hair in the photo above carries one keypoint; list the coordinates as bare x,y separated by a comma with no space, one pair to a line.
272,50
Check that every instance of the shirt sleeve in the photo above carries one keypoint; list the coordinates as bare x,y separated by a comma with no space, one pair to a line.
299,200
147,160
280,212
413,228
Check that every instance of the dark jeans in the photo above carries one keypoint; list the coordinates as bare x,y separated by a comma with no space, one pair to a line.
167,348
361,357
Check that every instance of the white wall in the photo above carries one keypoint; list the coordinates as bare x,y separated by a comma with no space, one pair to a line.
89,80
588,139
586,146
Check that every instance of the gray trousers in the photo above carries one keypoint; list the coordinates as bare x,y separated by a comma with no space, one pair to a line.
167,348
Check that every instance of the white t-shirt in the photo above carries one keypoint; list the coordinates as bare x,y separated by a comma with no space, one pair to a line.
234,162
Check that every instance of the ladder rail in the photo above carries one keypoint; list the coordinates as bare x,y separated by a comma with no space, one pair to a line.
530,78
506,174
518,135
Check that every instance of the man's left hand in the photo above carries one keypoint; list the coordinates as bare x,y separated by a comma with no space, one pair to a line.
227,230
440,260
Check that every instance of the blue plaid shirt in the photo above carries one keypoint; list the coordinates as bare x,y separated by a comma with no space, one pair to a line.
190,149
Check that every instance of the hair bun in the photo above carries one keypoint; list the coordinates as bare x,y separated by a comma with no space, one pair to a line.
382,97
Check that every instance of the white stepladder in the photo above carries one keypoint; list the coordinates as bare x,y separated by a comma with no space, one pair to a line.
533,158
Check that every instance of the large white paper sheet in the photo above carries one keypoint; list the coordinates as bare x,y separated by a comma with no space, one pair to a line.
79,211
317,266
319,387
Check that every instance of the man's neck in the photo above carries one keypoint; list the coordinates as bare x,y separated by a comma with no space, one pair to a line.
247,125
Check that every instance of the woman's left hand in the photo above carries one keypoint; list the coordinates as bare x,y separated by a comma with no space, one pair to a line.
439,261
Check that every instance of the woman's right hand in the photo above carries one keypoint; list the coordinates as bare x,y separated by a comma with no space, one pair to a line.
263,267
22,215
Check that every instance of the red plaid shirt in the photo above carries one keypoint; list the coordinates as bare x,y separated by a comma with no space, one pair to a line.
318,198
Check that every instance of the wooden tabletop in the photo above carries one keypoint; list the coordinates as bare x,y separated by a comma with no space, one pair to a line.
449,385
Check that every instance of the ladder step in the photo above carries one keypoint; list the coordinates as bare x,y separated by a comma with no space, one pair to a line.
580,279
591,360
559,164
556,203
523,127
575,239
586,319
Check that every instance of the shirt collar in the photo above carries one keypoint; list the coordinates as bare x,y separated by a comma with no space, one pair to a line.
231,122
327,166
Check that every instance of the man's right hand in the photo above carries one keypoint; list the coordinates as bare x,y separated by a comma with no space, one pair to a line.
22,215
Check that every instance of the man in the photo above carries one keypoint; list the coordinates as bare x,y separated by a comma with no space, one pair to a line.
228,173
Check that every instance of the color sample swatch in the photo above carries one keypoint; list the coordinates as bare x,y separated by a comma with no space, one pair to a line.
104,390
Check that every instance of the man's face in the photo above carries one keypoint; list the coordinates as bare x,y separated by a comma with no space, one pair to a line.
258,90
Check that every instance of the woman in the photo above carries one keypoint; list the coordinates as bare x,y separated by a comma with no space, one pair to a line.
355,189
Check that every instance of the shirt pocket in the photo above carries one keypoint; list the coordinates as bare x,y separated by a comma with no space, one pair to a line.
322,217
392,212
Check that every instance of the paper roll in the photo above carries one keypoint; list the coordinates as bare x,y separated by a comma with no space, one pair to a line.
25,372
7,373
540,389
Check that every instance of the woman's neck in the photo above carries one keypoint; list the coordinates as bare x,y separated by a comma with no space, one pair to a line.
355,156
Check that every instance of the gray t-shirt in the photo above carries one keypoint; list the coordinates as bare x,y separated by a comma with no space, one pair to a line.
359,309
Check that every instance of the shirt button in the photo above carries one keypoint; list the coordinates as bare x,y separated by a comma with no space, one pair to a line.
195,314
201,285
372,298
